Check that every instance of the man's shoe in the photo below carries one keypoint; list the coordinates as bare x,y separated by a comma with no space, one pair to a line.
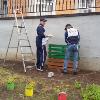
38,68
41,69
74,73
64,72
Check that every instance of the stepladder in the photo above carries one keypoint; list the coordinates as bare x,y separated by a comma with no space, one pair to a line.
19,40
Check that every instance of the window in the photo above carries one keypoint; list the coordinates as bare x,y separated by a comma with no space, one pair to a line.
86,3
82,3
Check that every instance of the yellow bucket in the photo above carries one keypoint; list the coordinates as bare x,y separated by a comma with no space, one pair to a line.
28,91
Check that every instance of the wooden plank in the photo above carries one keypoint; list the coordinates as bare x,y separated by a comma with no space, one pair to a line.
55,67
59,54
70,69
59,65
57,57
58,60
55,60
55,64
56,49
56,52
61,57
57,45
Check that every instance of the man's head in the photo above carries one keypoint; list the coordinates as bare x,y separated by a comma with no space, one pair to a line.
42,21
68,26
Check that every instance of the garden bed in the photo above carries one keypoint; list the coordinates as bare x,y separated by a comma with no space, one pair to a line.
46,88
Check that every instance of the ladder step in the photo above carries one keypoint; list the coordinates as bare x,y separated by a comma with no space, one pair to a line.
29,67
26,53
12,47
28,60
20,26
24,39
25,46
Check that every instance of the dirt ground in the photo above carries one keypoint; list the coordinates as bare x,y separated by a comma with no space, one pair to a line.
85,77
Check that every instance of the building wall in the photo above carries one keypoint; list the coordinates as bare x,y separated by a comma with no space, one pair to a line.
66,7
16,4
59,7
88,27
1,7
86,6
47,7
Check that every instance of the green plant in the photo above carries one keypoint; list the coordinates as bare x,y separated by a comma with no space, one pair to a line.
31,85
10,79
61,88
77,84
10,83
91,92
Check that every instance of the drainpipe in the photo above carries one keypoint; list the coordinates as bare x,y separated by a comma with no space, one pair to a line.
5,7
40,8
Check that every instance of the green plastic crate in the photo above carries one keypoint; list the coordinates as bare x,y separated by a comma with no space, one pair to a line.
56,45
58,51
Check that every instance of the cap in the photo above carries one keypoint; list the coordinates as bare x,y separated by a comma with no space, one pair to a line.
43,19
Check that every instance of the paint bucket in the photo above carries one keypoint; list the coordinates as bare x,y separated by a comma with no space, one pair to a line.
28,91
10,86
30,88
62,96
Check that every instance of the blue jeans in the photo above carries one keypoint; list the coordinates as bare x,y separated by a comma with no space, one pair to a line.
72,48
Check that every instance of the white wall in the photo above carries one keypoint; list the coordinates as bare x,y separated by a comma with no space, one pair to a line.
89,32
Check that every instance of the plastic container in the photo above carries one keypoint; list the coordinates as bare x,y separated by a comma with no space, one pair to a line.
10,86
62,96
28,91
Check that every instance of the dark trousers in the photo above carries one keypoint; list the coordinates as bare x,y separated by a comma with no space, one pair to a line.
39,57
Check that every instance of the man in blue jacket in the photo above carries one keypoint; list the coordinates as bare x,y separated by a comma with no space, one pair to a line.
39,37
72,38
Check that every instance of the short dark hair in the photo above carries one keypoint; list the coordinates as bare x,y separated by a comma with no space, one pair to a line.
68,25
43,19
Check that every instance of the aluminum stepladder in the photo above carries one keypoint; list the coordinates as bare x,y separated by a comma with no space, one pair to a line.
22,43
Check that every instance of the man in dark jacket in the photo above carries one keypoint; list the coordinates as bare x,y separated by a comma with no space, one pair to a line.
72,38
39,37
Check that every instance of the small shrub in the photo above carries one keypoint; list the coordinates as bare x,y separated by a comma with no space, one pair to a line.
77,85
91,92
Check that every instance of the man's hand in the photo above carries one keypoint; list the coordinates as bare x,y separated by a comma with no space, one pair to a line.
49,35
